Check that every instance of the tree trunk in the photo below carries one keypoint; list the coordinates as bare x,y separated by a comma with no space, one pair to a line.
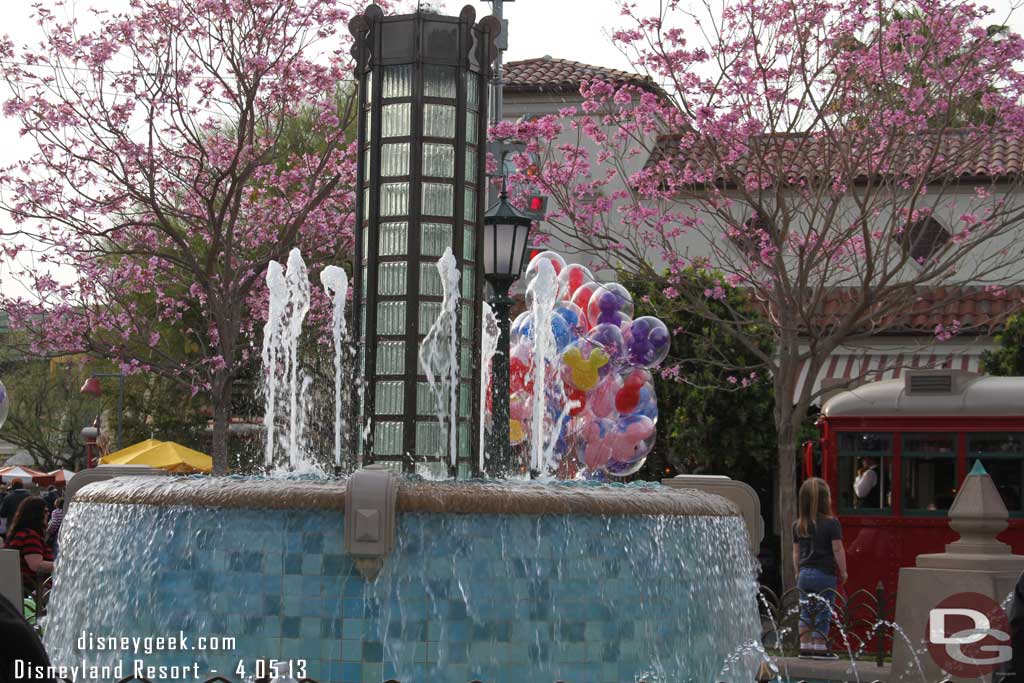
221,396
786,502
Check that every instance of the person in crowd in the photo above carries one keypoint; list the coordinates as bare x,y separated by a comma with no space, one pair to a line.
26,535
51,496
53,528
19,642
865,485
103,444
820,562
11,503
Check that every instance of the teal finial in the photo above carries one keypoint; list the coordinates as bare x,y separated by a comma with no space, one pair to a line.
977,469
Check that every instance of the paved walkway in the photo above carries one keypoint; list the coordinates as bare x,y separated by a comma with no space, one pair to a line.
821,670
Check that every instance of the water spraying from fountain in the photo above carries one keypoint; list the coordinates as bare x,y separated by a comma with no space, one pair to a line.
541,296
335,282
298,305
439,354
489,348
277,291
289,294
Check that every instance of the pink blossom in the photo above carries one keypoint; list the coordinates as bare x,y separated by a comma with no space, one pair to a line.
717,293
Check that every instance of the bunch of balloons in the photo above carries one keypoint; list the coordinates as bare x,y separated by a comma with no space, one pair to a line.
600,396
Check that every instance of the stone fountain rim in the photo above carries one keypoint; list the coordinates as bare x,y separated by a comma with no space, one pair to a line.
445,497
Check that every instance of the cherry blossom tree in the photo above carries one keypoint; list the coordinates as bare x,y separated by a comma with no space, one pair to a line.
830,157
179,147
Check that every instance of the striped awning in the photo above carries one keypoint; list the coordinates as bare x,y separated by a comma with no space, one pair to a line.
845,370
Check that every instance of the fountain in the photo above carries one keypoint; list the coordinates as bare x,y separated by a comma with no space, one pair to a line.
492,582
425,581
380,576
447,581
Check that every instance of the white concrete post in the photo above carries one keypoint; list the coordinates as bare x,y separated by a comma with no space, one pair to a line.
975,563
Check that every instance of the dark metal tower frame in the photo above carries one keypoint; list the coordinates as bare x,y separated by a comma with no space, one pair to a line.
421,186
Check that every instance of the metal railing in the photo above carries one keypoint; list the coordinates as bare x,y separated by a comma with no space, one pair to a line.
858,624
40,598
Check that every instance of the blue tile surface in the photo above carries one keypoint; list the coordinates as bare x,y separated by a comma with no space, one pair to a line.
505,599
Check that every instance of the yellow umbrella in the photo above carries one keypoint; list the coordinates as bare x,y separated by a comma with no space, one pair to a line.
170,456
117,457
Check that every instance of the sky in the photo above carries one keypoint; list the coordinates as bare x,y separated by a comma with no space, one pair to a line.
565,29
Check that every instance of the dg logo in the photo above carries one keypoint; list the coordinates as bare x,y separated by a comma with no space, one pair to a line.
968,635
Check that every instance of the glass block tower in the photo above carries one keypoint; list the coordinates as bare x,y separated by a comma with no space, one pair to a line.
420,190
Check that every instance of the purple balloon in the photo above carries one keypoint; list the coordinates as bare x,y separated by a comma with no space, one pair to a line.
607,302
640,351
609,337
648,342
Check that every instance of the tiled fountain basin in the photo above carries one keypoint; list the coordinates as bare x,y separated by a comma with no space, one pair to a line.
496,582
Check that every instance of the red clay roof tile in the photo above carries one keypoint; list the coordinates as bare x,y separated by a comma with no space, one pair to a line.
983,311
546,74
969,154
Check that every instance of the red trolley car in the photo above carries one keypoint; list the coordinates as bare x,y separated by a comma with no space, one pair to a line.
895,452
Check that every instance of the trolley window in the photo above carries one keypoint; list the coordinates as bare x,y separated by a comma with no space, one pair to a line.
929,473
1002,455
865,472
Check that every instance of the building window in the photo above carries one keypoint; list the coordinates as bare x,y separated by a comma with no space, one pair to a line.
1002,455
924,239
865,473
929,473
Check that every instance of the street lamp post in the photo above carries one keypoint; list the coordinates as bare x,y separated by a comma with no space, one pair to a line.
89,435
92,388
506,239
497,147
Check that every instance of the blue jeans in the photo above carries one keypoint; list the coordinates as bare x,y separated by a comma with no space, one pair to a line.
817,598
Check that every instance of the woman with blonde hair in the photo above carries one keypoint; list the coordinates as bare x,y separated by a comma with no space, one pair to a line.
820,562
